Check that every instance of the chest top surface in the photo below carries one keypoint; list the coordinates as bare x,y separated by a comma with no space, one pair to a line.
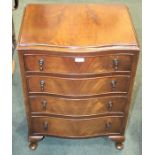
76,25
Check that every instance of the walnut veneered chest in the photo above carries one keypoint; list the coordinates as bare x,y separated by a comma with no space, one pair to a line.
78,63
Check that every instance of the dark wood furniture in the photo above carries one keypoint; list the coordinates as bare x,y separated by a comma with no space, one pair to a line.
78,63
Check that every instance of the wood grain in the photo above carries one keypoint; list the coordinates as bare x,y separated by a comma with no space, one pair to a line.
76,25
78,87
76,128
68,65
106,105
77,93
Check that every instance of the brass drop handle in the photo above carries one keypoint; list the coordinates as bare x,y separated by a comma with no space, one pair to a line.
113,84
41,64
45,126
42,85
109,105
108,125
44,105
116,64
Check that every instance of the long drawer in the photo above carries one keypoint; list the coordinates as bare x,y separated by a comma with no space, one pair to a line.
77,107
76,127
77,64
77,87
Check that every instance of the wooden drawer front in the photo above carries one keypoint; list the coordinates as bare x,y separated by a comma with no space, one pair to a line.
89,86
77,107
76,65
76,127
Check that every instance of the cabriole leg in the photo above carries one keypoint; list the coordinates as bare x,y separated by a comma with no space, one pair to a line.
118,141
33,141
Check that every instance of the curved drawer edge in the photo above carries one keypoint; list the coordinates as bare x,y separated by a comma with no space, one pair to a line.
76,137
78,116
82,75
35,116
75,96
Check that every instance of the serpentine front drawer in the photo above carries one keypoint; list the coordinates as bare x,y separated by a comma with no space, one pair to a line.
76,128
78,87
105,105
47,63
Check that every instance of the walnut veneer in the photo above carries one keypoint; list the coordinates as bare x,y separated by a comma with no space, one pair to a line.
78,63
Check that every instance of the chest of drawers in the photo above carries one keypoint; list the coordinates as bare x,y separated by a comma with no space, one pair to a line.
78,63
